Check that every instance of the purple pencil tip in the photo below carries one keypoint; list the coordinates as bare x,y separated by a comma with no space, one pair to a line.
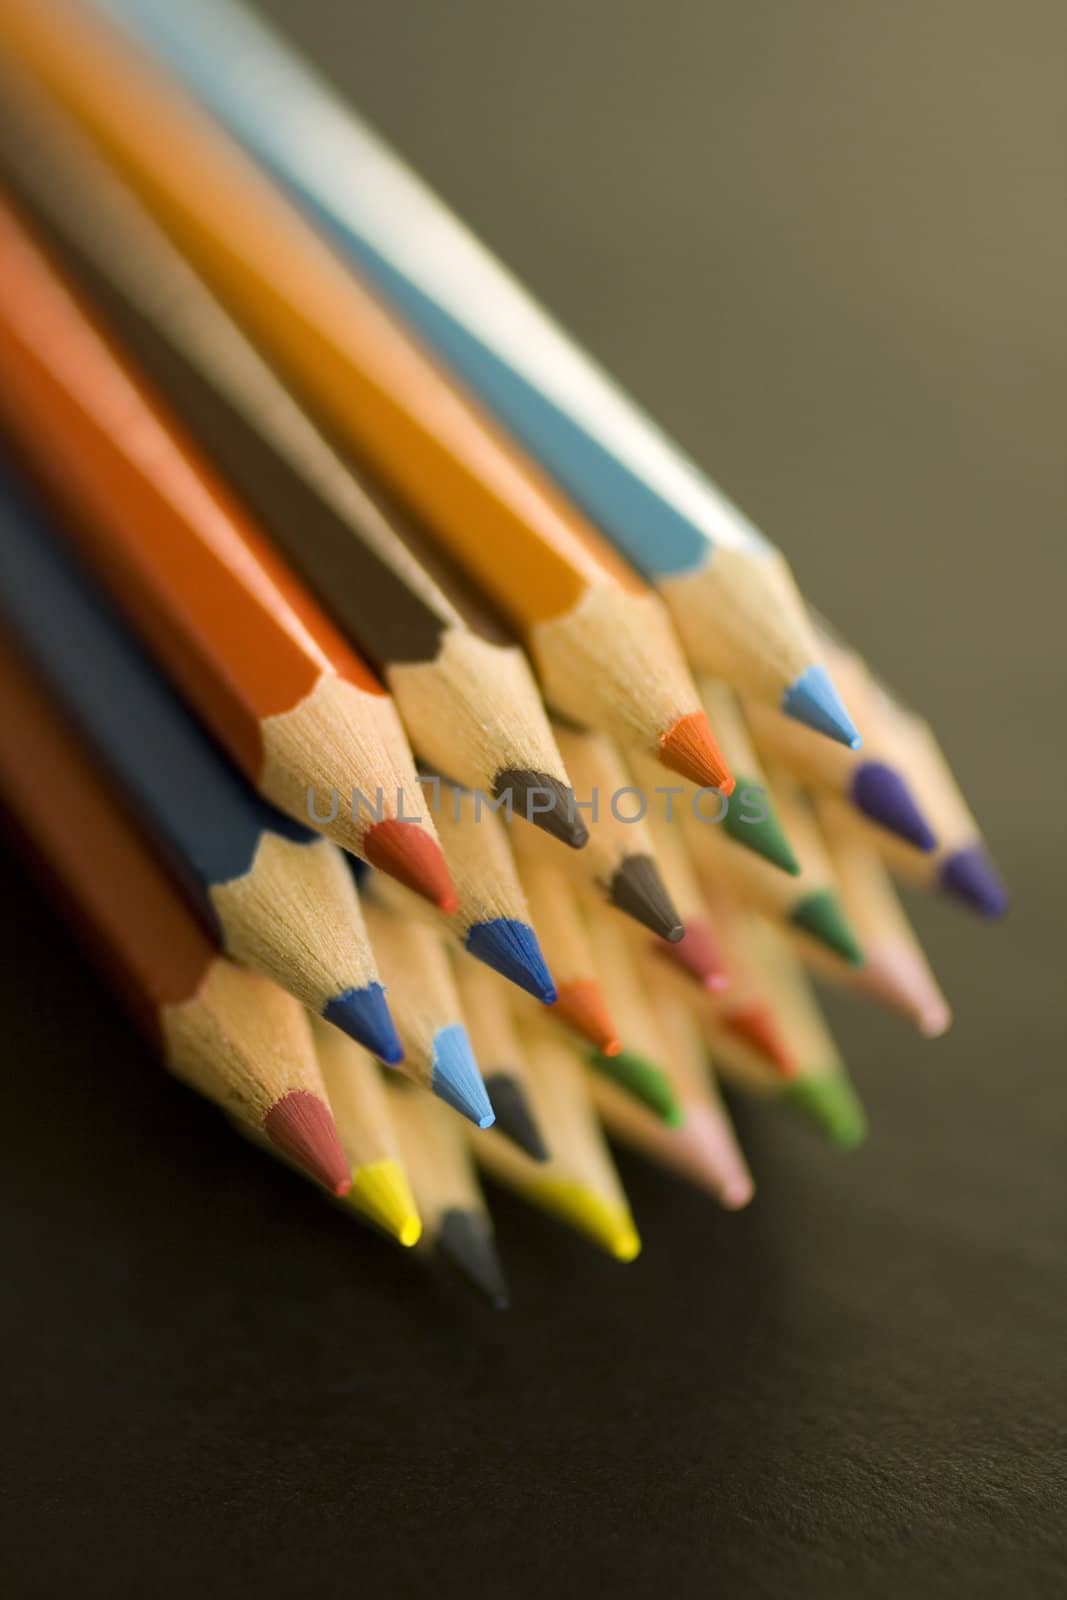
881,793
970,875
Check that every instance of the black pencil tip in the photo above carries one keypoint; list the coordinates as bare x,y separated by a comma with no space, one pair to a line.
514,1114
638,890
467,1240
539,798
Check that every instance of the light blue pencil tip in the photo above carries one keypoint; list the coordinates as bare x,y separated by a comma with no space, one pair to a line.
813,700
511,948
364,1015
456,1078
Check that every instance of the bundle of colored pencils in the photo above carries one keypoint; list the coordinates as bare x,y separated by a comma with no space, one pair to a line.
446,774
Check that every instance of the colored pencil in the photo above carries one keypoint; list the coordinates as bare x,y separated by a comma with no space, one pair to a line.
960,866
807,904
578,1184
493,920
557,918
466,695
895,969
274,681
230,1034
730,591
601,640
638,1068
745,1008
867,779
455,1222
820,1091
487,1013
697,951
750,818
704,1150
380,1188
276,896
426,1010
618,860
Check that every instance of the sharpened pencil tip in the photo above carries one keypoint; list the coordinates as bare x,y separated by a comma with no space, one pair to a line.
750,821
970,876
643,1080
756,1026
611,1227
514,1114
364,1015
408,853
697,953
539,798
301,1126
813,700
510,947
381,1192
820,914
456,1079
638,890
831,1103
582,1005
466,1240
689,748
879,791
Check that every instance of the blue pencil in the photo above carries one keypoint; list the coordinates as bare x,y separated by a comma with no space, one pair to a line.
730,591
277,896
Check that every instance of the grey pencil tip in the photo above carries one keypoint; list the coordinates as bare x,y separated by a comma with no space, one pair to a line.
539,798
514,1114
637,889
467,1241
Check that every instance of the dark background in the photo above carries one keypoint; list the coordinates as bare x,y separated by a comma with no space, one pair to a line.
825,244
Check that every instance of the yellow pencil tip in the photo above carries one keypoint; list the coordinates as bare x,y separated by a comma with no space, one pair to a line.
381,1192
611,1227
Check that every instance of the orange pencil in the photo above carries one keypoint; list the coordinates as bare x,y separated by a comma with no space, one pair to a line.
228,1033
601,640
267,672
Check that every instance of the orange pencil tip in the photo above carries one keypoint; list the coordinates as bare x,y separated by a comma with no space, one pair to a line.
757,1027
583,1006
302,1127
406,852
689,748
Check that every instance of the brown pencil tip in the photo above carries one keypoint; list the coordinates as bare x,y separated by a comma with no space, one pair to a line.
637,889
539,798
301,1126
407,852
757,1027
689,748
583,1006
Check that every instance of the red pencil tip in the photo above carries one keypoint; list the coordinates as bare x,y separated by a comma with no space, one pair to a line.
301,1126
690,749
757,1026
697,952
582,1004
408,853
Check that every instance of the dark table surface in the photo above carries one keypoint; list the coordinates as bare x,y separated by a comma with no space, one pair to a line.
826,246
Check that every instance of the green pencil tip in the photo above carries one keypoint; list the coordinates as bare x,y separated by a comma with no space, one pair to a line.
831,1103
643,1080
751,801
820,914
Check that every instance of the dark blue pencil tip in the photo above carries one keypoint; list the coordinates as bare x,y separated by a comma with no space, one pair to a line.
813,700
364,1015
881,793
511,948
456,1078
971,876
